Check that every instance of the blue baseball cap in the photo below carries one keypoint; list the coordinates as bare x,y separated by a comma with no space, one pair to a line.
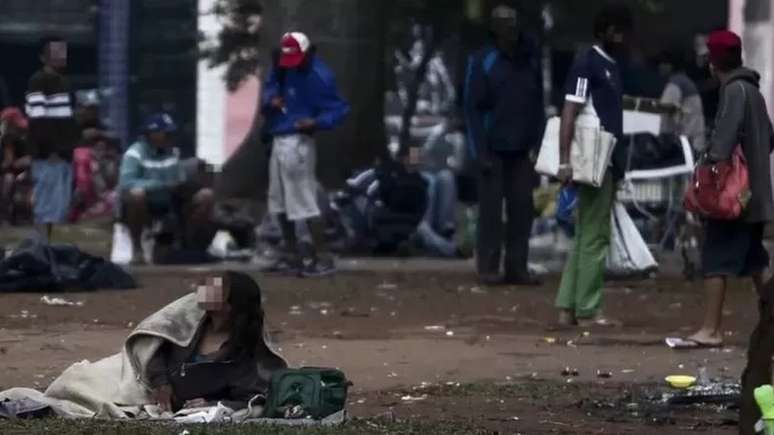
159,123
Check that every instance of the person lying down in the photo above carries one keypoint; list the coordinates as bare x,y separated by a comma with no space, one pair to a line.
207,347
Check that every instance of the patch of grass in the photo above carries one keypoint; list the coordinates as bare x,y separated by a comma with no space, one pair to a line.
355,427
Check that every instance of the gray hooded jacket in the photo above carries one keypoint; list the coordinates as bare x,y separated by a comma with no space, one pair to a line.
743,118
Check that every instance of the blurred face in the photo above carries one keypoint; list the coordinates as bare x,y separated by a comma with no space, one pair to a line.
212,296
506,29
159,139
56,55
615,40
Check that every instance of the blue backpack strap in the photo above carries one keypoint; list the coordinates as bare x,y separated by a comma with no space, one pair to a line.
489,61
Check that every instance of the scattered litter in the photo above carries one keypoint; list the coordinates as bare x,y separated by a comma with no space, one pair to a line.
338,334
549,340
361,401
392,375
324,312
450,333
387,286
295,310
604,375
130,325
435,328
95,321
60,302
514,418
409,398
453,384
570,372
627,371
586,334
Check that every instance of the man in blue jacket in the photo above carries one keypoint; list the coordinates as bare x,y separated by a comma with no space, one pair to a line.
505,121
299,99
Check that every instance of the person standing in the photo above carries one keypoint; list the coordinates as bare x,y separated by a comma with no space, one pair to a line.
594,84
299,99
52,137
682,96
735,248
505,119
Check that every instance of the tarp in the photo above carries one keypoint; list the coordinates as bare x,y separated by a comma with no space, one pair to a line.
36,266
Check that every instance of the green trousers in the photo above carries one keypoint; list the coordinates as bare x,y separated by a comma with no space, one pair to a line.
583,276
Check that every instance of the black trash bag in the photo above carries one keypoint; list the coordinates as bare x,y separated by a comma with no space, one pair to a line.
36,266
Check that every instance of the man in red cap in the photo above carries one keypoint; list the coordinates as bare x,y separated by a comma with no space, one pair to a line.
299,99
735,248
14,161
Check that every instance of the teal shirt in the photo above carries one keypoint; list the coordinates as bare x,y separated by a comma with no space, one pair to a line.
149,168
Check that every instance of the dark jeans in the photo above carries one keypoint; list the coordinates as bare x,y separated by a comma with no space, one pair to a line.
511,179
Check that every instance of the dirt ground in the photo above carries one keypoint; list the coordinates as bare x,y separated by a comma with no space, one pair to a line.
432,346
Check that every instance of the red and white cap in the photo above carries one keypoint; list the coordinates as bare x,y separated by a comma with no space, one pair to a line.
295,46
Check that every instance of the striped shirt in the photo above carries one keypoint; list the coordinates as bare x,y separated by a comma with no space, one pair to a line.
146,167
49,108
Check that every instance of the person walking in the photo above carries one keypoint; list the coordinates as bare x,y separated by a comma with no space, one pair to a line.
52,137
735,248
299,99
505,119
593,85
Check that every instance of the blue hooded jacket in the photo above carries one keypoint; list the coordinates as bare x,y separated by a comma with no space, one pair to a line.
309,92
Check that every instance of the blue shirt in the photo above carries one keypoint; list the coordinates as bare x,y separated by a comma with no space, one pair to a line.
596,78
309,92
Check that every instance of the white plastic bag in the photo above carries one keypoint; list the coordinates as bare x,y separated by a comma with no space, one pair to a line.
629,254
548,158
121,249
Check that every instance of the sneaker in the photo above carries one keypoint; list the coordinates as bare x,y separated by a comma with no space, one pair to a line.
317,268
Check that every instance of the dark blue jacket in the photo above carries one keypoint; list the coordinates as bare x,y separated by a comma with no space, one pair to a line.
504,100
309,92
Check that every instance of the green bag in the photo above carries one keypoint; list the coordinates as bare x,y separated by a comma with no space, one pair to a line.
306,392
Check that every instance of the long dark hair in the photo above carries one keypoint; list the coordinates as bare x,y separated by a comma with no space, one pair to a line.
244,297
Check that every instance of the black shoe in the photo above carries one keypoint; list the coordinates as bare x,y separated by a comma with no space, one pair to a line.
523,281
317,268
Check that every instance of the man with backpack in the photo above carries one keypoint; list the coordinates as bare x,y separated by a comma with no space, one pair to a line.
299,99
505,120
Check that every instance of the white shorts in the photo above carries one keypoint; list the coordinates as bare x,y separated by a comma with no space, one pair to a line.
292,181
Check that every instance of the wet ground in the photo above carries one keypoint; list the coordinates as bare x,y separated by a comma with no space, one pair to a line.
423,342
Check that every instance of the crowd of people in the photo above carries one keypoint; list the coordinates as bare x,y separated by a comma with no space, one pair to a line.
59,164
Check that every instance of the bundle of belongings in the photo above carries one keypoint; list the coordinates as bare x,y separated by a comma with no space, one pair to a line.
37,266
383,206
120,386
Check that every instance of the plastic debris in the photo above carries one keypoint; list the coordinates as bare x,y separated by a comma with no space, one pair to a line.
435,328
60,302
549,340
409,398
450,333
570,372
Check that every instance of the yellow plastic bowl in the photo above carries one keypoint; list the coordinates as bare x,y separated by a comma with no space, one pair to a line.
680,382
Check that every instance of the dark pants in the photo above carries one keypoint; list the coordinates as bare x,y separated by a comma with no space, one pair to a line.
511,178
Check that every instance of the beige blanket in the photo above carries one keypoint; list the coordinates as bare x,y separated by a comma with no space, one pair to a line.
116,387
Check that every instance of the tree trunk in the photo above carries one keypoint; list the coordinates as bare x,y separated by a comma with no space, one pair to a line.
245,173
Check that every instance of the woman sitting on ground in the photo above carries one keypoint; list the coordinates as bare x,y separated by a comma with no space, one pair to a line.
226,359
